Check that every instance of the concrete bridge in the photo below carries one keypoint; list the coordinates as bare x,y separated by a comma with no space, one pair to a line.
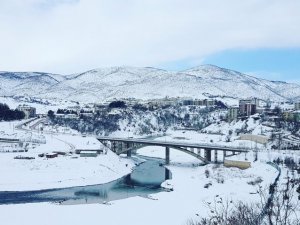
202,152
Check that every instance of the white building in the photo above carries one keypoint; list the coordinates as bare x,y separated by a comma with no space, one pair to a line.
27,110
67,116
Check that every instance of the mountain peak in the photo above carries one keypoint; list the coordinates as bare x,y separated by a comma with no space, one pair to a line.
210,69
205,67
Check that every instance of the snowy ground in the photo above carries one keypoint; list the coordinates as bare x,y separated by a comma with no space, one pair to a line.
188,199
65,170
40,108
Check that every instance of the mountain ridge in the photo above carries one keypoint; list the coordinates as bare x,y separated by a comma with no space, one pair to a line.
106,83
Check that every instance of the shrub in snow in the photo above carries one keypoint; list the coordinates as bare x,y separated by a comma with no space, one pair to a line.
256,181
207,173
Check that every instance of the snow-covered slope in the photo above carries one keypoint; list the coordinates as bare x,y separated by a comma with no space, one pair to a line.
235,84
145,83
30,83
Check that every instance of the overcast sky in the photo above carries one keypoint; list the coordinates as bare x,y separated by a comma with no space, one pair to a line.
68,36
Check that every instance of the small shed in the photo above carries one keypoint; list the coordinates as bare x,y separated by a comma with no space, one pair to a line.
88,153
51,155
239,164
98,151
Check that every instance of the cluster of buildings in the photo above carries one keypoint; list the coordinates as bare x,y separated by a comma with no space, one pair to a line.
29,111
131,102
169,101
246,108
74,112
181,102
199,102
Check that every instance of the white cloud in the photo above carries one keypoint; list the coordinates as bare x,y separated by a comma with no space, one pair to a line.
70,36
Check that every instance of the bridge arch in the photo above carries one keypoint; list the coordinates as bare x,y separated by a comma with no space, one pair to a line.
127,145
127,150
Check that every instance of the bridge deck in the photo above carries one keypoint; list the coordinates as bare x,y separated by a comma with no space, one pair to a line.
174,144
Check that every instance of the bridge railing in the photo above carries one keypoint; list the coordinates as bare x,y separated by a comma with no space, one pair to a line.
196,145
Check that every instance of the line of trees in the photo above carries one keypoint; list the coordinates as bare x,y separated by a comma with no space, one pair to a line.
117,104
8,114
66,111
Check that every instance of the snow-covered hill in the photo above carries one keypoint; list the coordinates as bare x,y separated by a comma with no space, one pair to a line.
145,83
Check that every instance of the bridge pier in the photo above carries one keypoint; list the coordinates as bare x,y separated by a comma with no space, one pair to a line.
114,147
167,155
207,155
199,151
192,150
216,156
167,174
224,156
120,146
128,152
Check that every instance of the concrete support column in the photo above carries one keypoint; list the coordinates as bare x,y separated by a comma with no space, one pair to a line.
128,147
192,150
233,153
167,155
114,147
199,151
216,156
120,146
224,156
207,155
167,174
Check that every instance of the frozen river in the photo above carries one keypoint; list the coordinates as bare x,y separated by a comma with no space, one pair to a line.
145,179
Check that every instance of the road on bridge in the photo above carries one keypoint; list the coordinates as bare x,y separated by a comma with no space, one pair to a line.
174,144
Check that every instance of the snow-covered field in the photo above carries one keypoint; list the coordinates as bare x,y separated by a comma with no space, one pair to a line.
177,207
53,104
65,170
187,201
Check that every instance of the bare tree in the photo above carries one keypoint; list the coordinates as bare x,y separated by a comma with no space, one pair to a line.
281,209
284,208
